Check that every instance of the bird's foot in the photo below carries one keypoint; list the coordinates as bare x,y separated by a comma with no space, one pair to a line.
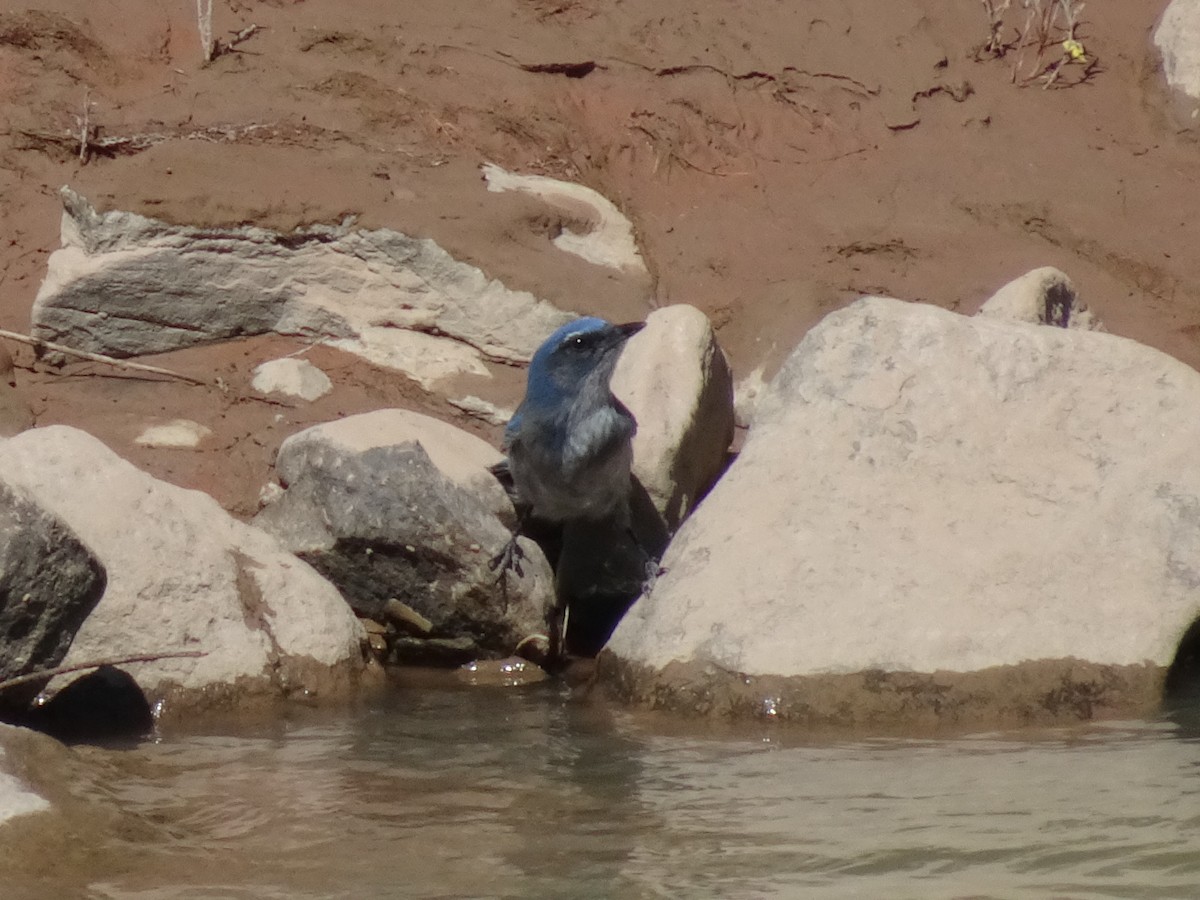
508,558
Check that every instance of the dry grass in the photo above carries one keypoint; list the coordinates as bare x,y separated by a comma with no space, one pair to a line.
1043,39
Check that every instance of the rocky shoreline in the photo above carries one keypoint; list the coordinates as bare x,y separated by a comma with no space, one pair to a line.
918,498
887,548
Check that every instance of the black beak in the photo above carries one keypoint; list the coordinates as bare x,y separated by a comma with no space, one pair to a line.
629,329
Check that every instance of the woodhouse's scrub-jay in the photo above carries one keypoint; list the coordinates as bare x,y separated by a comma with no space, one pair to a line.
569,444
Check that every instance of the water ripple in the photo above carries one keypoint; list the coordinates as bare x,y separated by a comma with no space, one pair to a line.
526,794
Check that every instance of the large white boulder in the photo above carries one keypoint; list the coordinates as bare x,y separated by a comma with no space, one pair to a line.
183,575
925,492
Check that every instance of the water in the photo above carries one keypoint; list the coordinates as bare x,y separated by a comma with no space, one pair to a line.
440,793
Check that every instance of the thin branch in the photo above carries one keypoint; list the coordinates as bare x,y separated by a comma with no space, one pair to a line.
40,344
97,663
221,48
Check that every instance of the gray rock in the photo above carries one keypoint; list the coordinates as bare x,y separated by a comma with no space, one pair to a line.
49,583
460,456
927,493
385,523
124,285
1044,296
185,576
674,378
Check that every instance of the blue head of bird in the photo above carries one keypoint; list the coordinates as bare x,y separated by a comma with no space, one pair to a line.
578,357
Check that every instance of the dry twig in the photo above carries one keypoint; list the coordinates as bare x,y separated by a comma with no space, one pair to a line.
95,664
995,12
39,344
220,48
1045,23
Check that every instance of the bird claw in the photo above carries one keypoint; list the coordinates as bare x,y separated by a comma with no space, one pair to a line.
508,558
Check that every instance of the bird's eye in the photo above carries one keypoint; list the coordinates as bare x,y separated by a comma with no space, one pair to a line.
578,341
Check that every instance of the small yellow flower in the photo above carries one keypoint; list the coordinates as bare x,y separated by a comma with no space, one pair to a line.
1074,50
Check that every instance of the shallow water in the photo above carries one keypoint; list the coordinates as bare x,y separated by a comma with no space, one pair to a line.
438,793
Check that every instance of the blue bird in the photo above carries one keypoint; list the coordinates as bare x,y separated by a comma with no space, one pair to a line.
569,449
569,444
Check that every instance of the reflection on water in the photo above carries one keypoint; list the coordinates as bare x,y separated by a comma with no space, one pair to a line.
525,793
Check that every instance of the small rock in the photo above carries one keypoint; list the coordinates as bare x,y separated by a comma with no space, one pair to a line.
511,672
178,434
378,642
291,377
269,493
1044,296
407,618
609,242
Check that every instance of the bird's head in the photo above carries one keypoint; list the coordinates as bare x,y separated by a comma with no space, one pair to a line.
579,353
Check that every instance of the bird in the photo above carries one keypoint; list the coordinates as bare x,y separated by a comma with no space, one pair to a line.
569,445
570,442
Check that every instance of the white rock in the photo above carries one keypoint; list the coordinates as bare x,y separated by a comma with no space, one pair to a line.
177,434
923,491
459,455
673,377
746,394
184,575
1177,37
269,493
425,358
292,377
1044,296
124,284
609,242
481,409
